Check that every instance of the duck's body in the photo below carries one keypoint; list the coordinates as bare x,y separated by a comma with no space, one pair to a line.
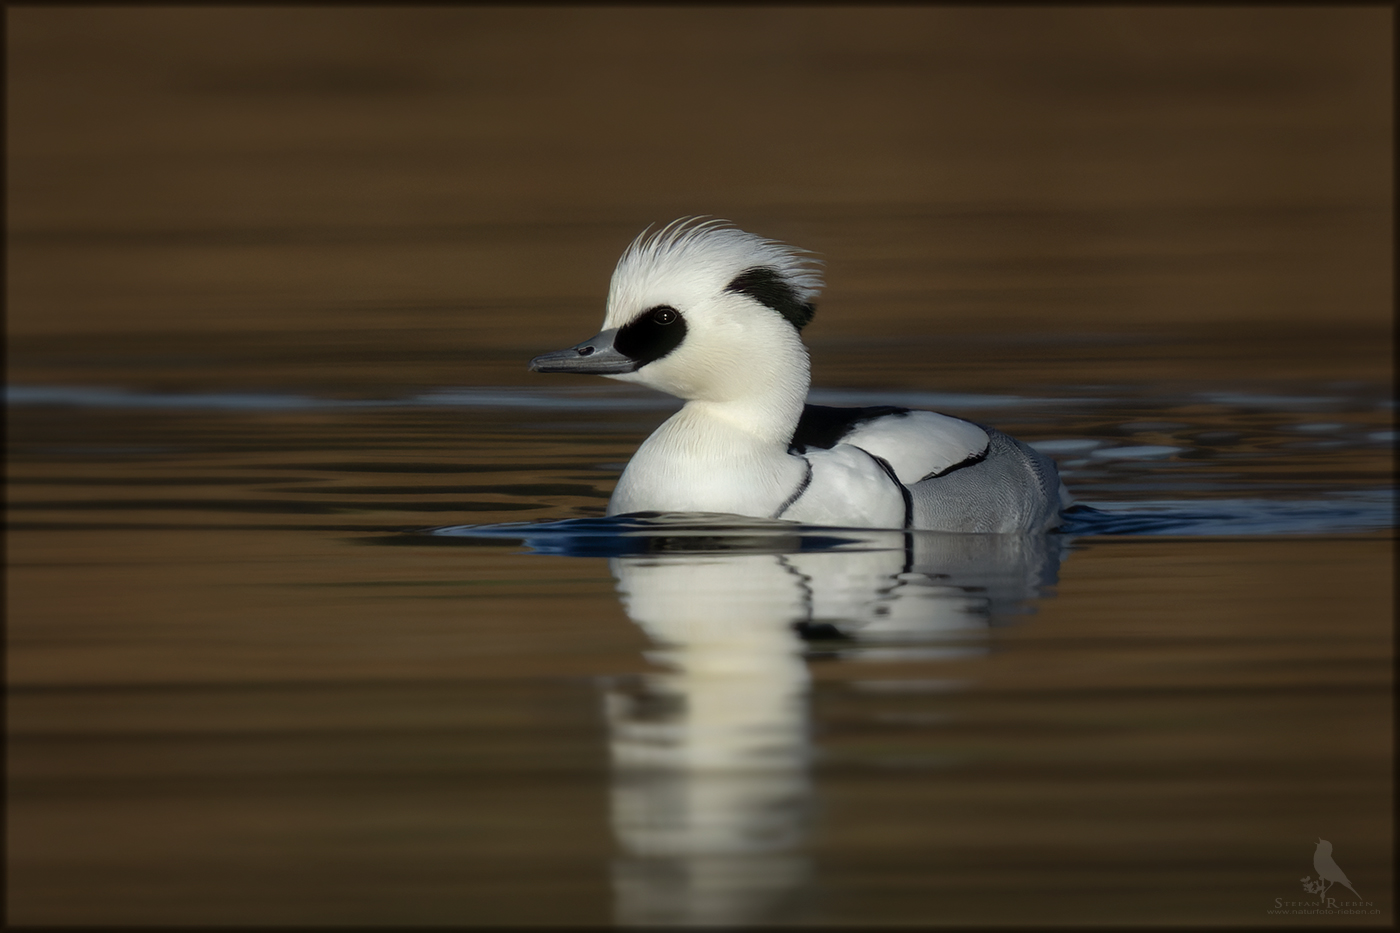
712,314
872,468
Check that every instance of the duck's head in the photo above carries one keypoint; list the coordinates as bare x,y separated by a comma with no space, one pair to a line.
702,310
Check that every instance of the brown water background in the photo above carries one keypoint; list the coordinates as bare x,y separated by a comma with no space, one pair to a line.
225,706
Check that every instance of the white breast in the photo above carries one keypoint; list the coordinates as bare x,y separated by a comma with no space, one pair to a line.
848,488
698,463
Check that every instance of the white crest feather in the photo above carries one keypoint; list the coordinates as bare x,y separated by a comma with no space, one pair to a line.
704,254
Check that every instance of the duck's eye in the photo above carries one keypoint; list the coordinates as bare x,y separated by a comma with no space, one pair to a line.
651,335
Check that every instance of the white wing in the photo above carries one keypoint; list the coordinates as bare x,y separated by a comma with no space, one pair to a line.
919,443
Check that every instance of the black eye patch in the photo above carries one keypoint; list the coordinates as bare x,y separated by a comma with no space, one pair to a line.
651,335
771,290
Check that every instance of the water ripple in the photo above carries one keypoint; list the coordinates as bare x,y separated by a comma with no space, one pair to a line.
624,535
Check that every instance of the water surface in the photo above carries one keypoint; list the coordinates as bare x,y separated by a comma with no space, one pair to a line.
252,641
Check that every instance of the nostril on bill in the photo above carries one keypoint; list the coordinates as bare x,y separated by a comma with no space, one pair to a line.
585,351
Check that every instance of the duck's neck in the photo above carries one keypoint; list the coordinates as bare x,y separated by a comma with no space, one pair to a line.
721,453
767,405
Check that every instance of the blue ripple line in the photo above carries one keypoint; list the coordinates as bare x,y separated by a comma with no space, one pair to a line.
1349,512
84,397
1352,511
462,397
102,397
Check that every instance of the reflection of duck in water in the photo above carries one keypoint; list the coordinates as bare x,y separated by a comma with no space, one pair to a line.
710,756
711,314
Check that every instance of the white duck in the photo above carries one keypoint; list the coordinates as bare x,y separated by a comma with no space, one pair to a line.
712,314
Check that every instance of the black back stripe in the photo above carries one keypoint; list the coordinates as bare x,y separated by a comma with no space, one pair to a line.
823,426
796,493
768,288
894,478
970,461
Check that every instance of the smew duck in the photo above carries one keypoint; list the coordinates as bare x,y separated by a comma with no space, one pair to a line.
713,315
